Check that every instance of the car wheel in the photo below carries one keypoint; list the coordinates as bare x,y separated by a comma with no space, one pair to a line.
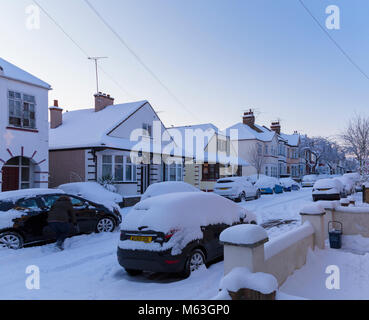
253,222
105,224
11,240
194,261
133,272
243,196
258,194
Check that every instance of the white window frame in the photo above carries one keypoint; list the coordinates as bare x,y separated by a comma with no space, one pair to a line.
22,100
124,166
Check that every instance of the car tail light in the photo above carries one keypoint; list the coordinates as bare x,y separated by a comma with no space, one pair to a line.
170,234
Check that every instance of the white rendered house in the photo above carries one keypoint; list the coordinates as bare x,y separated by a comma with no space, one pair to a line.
23,129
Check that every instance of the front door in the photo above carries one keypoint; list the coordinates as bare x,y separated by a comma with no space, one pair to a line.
145,177
10,178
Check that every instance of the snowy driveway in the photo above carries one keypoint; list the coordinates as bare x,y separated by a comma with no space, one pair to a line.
88,268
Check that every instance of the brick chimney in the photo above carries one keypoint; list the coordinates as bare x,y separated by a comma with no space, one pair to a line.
102,100
249,118
276,127
56,115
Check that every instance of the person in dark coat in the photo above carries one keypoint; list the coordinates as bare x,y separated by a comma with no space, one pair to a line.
60,216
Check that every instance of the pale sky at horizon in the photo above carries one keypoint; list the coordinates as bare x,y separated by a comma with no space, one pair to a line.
218,57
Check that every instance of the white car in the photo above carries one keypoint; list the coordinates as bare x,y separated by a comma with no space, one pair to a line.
309,180
160,188
236,188
328,189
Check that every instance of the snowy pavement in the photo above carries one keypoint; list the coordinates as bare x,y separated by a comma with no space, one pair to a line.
88,268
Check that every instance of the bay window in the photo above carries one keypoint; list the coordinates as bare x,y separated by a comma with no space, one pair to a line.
173,172
119,168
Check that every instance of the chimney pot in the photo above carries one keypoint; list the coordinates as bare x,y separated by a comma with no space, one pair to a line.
276,127
56,103
249,118
102,100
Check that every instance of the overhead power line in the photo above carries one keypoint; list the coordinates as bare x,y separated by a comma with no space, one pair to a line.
80,47
138,58
346,55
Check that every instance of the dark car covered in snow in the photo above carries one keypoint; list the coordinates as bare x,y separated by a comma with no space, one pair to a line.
24,213
177,232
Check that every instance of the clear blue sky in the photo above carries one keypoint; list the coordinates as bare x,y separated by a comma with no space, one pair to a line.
218,57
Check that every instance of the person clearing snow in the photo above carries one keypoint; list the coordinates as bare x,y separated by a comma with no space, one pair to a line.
60,214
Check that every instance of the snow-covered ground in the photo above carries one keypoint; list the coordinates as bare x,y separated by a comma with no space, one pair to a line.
88,268
310,281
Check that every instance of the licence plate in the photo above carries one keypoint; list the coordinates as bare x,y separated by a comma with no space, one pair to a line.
324,189
223,188
142,239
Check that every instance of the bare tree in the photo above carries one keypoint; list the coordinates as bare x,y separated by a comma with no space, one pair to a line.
356,140
257,158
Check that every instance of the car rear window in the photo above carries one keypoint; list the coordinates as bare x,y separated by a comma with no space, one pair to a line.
225,181
6,206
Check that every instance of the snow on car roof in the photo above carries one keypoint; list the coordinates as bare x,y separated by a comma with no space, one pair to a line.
13,72
182,210
26,193
160,188
328,183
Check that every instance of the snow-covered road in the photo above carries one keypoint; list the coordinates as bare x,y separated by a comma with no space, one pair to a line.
88,268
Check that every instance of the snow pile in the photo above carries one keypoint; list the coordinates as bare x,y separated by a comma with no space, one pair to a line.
160,188
242,278
316,208
287,239
26,193
243,234
7,217
309,178
94,192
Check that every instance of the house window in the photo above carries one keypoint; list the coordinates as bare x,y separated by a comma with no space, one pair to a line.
148,129
210,172
124,169
266,171
173,172
22,110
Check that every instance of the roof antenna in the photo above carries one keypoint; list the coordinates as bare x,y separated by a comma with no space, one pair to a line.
97,75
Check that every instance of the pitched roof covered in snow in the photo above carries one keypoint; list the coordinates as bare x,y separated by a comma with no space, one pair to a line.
246,132
12,72
87,128
292,139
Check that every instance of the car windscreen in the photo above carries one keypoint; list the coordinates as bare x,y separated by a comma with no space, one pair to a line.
6,205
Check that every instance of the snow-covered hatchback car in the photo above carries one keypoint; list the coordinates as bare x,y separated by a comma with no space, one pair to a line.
236,188
160,188
177,232
308,180
328,189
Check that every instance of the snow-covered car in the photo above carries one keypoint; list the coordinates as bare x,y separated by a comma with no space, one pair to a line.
177,232
160,188
309,180
289,184
328,189
24,213
94,192
348,185
268,185
236,188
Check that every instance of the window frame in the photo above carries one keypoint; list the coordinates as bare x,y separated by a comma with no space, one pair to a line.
23,99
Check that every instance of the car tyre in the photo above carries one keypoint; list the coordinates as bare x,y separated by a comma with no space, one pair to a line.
193,262
133,272
105,224
11,240
258,195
